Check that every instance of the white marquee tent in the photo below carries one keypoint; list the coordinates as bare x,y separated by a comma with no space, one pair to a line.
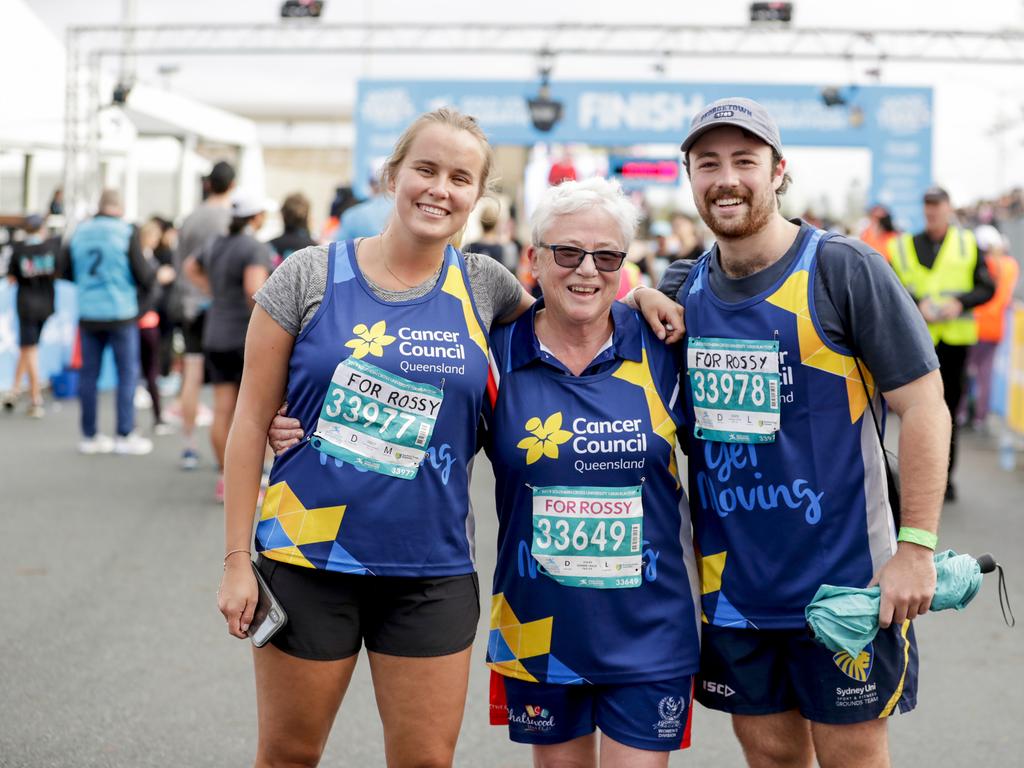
157,132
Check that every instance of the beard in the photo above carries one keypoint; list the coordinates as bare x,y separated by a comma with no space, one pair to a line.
760,209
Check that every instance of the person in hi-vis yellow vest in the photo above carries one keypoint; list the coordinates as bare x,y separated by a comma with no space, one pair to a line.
943,271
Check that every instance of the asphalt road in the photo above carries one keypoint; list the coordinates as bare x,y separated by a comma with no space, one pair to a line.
114,654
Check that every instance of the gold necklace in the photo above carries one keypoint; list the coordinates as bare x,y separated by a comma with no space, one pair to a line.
384,261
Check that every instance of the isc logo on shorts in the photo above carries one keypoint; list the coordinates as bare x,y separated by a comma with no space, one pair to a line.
720,688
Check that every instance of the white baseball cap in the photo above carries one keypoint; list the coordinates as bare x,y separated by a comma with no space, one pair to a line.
244,205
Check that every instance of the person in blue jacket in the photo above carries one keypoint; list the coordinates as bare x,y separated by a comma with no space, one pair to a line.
109,269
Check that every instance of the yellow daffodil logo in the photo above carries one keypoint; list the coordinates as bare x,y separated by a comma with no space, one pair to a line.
369,340
544,438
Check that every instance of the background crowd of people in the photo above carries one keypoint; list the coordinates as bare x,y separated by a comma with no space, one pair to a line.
192,286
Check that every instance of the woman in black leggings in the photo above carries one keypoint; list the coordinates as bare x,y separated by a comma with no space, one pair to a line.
149,319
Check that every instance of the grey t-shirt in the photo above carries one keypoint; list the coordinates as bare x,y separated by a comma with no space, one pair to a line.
295,291
225,260
197,231
873,315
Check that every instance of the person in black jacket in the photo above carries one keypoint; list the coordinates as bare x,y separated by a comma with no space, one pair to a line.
33,269
295,215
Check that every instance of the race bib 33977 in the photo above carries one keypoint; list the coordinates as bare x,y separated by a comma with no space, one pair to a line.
377,420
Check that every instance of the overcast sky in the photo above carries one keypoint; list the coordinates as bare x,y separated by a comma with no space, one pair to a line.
969,100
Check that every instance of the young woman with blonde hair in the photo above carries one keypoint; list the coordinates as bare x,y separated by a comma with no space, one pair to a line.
379,346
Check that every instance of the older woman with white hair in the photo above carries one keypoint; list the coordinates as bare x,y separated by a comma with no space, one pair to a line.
593,619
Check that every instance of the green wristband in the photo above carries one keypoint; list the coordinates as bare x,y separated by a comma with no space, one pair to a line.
917,536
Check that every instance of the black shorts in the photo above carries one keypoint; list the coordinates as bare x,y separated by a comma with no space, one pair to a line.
225,367
330,614
192,331
29,332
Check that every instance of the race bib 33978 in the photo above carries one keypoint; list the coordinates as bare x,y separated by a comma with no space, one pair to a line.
735,387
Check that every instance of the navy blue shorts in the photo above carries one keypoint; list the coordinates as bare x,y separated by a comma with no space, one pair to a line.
763,672
655,716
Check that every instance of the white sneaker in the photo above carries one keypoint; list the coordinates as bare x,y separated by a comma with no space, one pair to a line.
142,399
204,416
133,444
163,429
189,460
169,385
96,444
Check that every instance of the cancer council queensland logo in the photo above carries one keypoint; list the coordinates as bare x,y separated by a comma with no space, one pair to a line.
544,438
369,340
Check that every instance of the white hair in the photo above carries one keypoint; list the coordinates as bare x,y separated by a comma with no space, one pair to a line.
573,196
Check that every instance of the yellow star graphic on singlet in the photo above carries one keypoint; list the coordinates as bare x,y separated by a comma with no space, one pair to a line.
814,353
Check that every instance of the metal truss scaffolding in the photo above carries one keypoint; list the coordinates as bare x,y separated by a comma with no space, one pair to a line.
88,46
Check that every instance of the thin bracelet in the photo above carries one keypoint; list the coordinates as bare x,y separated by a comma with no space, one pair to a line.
925,539
235,551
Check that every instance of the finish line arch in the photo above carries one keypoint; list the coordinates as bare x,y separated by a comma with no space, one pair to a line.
893,123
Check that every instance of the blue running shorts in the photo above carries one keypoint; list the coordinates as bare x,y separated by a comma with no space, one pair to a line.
762,672
654,716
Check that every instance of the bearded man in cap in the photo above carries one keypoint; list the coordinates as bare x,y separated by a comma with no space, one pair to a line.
796,340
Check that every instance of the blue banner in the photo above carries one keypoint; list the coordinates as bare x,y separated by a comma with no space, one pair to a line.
894,124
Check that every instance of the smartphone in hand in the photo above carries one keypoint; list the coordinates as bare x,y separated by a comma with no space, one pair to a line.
269,616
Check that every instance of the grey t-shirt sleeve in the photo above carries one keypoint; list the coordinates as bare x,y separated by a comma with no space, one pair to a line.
871,313
294,291
496,291
674,277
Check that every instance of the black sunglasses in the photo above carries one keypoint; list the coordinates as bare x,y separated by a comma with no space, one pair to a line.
571,256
